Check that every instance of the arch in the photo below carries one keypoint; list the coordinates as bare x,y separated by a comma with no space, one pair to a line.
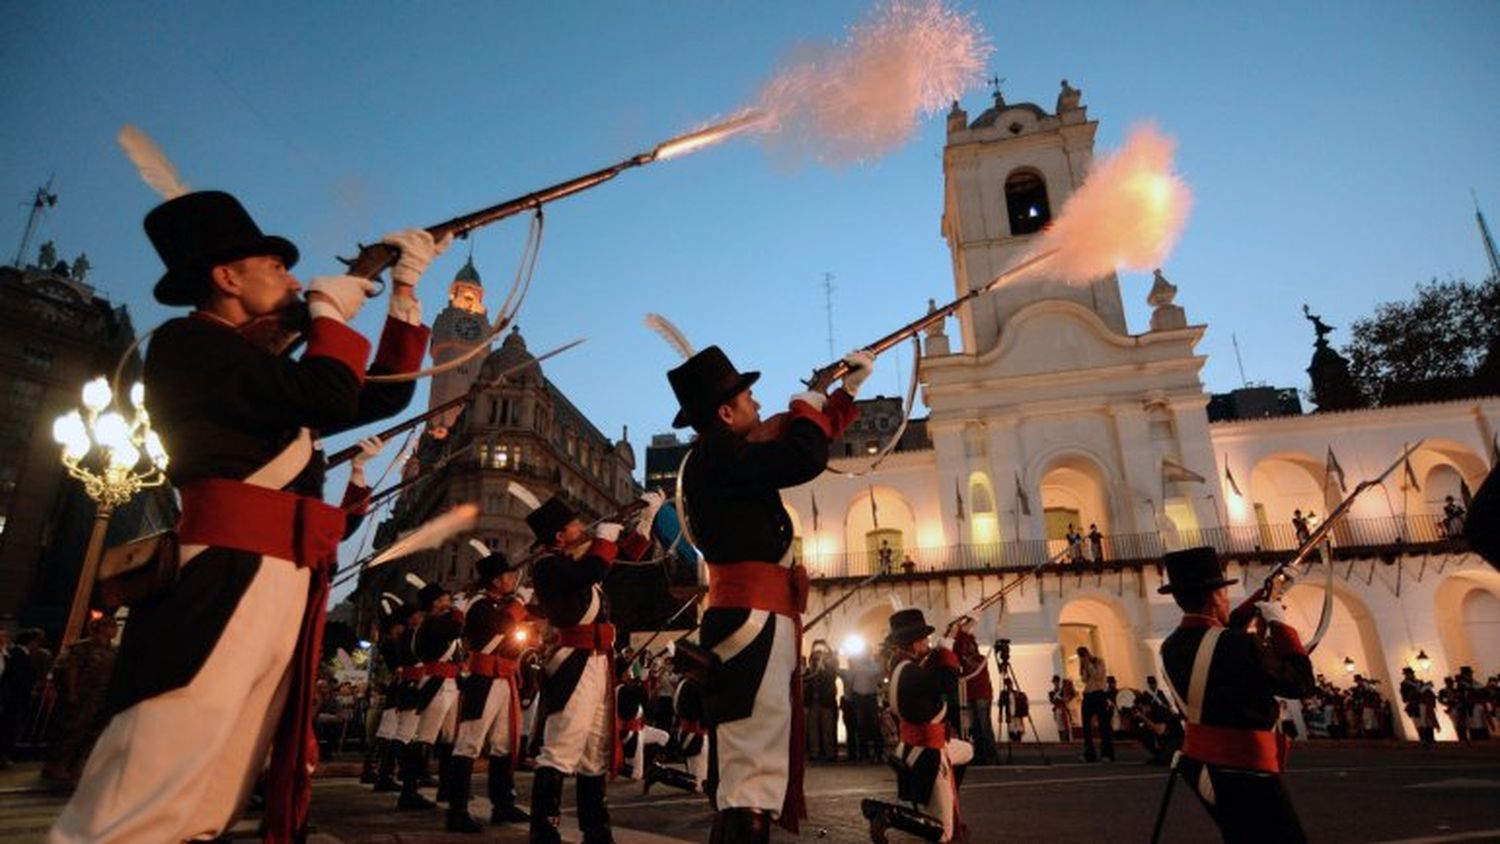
1101,625
1281,484
984,519
862,535
1352,634
1074,484
1443,466
1467,608
798,546
1026,204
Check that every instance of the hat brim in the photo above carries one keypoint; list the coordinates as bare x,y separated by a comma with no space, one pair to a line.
906,637
681,420
181,287
1204,586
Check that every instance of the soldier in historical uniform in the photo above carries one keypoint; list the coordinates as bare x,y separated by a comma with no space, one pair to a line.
224,659
731,482
1420,704
437,643
578,735
931,762
490,703
1228,680
398,620
692,742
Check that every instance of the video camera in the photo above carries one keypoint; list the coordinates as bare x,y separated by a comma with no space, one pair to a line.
1002,648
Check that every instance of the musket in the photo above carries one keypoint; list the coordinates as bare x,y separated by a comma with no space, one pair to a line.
478,387
823,378
1007,588
836,604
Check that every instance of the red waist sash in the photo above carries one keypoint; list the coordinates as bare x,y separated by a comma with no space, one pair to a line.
930,735
1231,747
632,725
409,672
758,586
493,665
694,728
599,638
448,670
230,514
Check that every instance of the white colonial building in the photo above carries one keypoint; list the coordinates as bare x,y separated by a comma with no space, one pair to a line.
1051,412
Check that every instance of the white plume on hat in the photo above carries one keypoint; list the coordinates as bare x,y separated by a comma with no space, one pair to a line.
671,333
151,162
525,495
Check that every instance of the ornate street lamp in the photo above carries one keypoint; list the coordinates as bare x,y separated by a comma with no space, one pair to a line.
1424,661
1348,665
129,458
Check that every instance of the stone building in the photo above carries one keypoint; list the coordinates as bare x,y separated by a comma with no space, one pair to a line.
1050,413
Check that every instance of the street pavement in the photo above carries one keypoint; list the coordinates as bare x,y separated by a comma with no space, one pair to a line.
1345,792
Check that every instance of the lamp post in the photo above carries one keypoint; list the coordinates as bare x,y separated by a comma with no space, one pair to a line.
119,472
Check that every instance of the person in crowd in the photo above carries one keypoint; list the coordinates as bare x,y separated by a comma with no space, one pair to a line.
83,680
1096,708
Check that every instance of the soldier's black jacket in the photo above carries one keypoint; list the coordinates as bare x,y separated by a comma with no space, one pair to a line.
437,641
918,694
224,407
487,617
687,703
733,502
1246,675
405,656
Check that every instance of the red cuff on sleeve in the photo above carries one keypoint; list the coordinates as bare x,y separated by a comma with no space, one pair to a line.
633,546
1285,641
401,347
841,411
803,410
604,550
329,338
947,658
356,499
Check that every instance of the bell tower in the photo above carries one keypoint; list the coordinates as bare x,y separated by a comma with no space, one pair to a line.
458,328
1005,176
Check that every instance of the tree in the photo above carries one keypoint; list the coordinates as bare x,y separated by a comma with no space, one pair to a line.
1444,335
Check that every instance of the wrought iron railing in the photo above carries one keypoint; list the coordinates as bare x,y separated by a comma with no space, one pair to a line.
1377,534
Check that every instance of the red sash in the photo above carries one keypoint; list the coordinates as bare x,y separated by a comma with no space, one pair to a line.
781,590
692,728
229,514
446,670
409,672
599,638
493,665
632,725
1232,747
930,735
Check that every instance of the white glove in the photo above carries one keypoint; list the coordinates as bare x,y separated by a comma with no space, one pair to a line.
861,364
654,500
418,249
1271,611
812,397
345,295
525,593
607,531
945,643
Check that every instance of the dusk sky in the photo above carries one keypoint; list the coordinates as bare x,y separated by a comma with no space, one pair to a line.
1331,148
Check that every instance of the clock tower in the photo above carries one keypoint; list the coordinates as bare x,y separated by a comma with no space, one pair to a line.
460,327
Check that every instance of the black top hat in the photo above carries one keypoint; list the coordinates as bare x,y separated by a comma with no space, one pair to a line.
546,520
1194,570
429,594
492,566
198,231
908,626
705,381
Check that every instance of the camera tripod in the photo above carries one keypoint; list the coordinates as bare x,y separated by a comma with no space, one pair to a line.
1002,662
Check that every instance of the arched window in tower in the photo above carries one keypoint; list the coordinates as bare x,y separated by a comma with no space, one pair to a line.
984,522
1026,202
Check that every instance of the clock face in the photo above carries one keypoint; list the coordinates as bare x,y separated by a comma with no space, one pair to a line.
469,327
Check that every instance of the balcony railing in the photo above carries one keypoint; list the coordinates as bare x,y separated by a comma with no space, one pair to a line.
1363,535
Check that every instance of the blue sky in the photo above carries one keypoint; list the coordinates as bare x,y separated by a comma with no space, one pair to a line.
1331,149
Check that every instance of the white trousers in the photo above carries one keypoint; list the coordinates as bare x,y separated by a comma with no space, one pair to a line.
649,735
389,717
179,766
577,740
491,728
943,804
753,752
440,718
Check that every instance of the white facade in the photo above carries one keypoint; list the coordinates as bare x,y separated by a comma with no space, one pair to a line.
1053,407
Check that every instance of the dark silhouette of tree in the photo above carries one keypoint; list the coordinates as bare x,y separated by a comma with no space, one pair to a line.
1445,338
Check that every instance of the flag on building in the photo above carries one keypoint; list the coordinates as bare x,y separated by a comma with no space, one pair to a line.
1021,500
874,511
1411,475
1334,471
1229,478
815,511
1171,470
958,500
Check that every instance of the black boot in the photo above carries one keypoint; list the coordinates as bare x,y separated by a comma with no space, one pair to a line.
883,816
443,751
740,826
546,805
593,811
413,765
372,757
502,786
460,776
674,777
385,775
